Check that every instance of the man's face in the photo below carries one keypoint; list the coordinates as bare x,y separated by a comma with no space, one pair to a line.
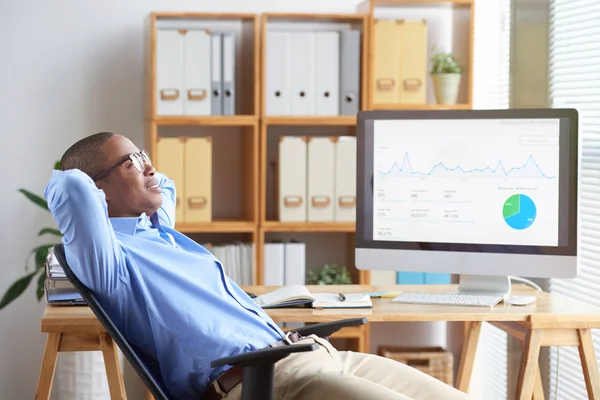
129,191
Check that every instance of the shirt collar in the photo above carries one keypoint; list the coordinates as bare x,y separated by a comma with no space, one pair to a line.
130,225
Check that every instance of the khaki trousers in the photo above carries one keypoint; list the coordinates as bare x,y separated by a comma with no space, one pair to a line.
328,374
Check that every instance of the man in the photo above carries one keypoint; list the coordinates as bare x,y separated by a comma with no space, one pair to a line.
170,297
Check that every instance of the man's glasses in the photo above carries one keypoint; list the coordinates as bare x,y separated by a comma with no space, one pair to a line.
138,160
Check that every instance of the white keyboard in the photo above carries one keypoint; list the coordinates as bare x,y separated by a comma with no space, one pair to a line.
451,299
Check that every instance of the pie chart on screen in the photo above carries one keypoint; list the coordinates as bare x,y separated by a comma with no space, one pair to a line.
519,211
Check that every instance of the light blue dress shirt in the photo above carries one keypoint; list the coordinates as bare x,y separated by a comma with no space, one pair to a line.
166,293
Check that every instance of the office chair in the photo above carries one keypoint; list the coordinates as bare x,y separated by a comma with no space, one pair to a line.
258,366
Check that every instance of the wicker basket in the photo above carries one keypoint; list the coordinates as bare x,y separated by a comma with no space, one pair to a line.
434,361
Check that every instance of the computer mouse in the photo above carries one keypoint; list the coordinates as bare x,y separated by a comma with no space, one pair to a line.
520,300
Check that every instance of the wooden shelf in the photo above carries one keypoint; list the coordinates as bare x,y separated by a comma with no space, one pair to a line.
276,226
420,2
421,107
217,227
203,16
313,17
310,120
217,120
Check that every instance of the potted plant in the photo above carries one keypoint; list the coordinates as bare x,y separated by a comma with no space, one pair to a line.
39,254
446,74
330,274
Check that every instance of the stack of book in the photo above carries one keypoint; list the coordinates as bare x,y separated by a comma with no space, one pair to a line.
237,260
59,290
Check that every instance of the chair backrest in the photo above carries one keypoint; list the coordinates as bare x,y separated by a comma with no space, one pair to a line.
145,367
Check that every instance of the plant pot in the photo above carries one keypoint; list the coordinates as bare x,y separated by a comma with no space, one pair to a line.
446,87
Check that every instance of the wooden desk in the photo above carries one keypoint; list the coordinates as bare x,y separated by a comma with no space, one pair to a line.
554,320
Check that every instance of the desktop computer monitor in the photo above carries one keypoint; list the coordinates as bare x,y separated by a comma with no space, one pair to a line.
486,194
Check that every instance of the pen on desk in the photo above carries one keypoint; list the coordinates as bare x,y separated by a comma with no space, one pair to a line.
342,296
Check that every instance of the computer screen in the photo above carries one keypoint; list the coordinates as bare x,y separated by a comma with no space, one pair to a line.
486,192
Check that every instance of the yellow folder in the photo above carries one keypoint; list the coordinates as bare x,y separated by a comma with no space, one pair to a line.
400,62
169,161
413,70
386,61
198,179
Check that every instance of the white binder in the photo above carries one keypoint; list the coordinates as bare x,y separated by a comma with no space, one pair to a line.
350,93
327,73
228,73
303,73
197,72
274,264
277,73
321,178
169,71
295,263
217,80
345,179
292,179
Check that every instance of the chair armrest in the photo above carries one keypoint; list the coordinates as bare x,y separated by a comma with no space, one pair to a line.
326,329
267,355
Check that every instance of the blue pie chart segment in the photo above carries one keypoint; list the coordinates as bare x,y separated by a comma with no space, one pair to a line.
522,211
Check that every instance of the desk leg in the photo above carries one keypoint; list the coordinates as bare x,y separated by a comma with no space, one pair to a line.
44,387
538,388
589,363
467,357
113,371
529,364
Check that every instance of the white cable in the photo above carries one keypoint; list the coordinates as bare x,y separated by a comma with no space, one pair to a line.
526,281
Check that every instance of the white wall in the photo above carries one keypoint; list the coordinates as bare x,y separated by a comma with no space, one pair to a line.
69,69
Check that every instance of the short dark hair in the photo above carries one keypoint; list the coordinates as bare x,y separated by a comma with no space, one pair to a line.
85,154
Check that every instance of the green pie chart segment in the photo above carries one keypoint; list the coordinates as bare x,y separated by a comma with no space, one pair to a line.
519,211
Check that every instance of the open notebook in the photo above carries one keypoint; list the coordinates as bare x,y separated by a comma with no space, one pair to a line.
298,295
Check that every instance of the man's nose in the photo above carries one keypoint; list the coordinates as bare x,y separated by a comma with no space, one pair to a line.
149,169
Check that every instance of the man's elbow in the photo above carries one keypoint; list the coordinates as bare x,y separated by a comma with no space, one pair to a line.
71,188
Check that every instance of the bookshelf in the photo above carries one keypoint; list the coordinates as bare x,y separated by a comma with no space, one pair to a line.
250,134
244,169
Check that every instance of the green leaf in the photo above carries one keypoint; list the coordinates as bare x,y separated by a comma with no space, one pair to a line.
41,252
39,255
16,289
50,231
57,165
35,199
40,286
329,274
445,63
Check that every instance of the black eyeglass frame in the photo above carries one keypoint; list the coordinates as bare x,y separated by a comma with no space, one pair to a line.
138,160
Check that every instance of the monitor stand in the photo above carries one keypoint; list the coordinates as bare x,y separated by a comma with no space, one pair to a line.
484,285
